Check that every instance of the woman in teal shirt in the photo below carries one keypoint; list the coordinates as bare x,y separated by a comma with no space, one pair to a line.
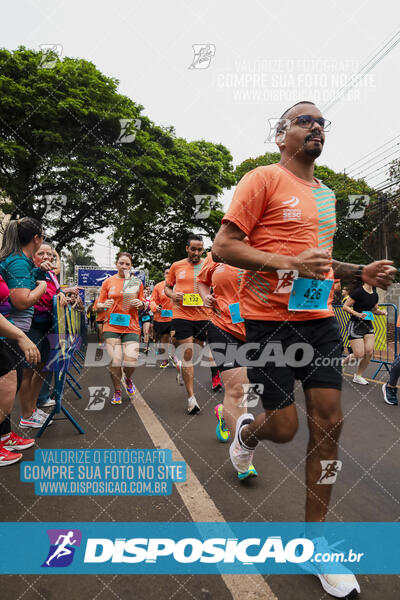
27,284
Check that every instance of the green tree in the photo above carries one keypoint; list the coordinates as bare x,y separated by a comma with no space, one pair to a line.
155,226
60,137
78,255
60,144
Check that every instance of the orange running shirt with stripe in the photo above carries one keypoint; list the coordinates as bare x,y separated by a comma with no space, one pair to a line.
281,214
225,281
159,297
113,288
183,275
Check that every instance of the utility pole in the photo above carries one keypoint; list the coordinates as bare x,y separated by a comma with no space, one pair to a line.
382,227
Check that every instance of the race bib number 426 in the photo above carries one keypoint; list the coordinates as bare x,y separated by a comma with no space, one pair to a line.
310,294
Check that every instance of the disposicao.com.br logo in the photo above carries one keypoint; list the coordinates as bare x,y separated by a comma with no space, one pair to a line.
192,550
62,547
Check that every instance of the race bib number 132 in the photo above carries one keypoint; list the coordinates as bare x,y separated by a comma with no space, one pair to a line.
192,300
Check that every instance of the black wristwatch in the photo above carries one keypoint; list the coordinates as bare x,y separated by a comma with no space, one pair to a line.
358,273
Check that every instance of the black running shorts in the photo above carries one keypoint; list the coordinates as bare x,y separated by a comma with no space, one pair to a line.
307,350
224,347
184,328
162,327
356,329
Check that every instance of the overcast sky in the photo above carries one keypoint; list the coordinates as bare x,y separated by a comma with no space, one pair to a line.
268,55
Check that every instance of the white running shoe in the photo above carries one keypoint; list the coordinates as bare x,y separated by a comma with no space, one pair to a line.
339,585
36,420
359,379
193,407
241,458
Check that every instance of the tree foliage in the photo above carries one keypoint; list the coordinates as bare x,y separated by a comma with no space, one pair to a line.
78,255
156,227
60,142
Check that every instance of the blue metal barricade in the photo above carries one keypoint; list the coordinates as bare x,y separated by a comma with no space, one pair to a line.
65,342
386,334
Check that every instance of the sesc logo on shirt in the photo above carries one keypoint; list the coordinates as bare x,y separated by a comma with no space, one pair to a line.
290,212
182,274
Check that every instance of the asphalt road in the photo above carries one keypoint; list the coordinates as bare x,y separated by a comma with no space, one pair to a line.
368,488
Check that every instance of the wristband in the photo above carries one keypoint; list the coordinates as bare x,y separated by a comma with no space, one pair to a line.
358,273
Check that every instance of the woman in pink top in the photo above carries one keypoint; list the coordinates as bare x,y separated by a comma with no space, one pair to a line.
42,325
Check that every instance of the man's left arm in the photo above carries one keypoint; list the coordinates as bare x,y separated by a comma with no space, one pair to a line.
379,273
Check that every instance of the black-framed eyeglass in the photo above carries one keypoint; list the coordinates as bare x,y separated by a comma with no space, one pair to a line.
307,121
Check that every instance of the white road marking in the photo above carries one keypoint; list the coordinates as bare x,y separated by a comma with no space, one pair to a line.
200,505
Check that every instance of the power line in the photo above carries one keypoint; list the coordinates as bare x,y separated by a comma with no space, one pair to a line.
375,60
364,168
371,173
369,153
387,186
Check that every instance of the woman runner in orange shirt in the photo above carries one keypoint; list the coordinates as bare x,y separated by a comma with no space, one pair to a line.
122,297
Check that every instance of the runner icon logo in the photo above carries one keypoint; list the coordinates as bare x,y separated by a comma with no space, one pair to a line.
50,55
330,470
277,127
97,397
251,394
203,54
54,206
357,206
128,130
204,203
63,543
285,281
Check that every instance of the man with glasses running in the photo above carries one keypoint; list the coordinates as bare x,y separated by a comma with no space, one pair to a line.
290,220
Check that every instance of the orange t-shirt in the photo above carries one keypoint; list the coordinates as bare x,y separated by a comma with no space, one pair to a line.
113,288
159,297
281,214
183,275
225,281
100,313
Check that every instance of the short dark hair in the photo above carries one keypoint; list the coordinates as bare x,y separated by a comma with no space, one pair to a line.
297,103
194,236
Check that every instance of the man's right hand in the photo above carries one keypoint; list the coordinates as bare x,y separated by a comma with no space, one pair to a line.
209,301
108,303
313,263
178,297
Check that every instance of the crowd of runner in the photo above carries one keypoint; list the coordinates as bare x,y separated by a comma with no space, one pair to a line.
258,306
